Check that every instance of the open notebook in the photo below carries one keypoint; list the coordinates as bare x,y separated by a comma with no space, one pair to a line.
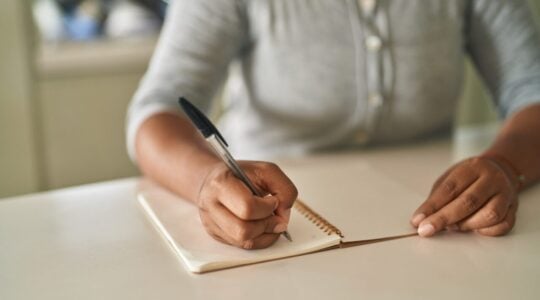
342,205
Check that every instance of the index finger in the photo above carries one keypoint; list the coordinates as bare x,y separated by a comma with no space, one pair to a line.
463,206
447,190
272,179
239,200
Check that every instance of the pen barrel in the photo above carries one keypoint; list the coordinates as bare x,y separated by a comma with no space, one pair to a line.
221,149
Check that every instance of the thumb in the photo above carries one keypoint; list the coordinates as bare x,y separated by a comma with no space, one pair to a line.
275,224
272,180
281,210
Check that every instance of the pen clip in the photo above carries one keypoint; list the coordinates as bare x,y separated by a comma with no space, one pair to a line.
203,124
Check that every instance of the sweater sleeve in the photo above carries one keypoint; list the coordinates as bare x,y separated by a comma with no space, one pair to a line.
504,44
198,41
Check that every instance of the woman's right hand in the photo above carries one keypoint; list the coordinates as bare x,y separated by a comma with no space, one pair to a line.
231,214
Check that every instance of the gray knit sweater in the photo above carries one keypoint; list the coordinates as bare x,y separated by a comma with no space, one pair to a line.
315,74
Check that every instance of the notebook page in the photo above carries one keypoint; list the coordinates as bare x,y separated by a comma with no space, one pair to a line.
178,222
356,198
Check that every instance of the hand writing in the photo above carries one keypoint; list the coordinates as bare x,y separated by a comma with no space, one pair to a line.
232,214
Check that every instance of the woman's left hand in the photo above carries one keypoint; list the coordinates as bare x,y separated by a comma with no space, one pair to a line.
477,194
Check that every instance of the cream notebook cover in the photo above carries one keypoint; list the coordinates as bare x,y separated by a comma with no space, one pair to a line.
343,205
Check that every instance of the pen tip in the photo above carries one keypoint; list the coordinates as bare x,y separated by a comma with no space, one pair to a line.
287,236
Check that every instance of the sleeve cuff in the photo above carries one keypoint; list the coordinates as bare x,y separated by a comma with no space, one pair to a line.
520,97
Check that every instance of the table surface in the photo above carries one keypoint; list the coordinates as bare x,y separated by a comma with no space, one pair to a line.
93,242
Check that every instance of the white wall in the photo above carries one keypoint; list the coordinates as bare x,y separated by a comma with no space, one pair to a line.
19,171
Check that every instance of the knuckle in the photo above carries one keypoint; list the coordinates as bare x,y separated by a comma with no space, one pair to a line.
470,202
449,186
507,226
241,233
245,210
249,244
476,162
442,220
431,207
294,192
290,195
206,202
428,207
492,216
499,175
503,229
202,202
204,219
463,226
436,183
508,200
487,232
271,166
214,184
215,236
220,170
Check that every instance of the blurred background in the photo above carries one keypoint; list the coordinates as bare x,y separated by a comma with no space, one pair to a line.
68,69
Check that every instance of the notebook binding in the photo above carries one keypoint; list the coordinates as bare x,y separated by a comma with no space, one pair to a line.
316,219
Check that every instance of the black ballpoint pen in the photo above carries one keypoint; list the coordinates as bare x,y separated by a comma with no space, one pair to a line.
218,143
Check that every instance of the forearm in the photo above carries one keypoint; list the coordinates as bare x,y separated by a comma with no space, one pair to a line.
171,152
519,143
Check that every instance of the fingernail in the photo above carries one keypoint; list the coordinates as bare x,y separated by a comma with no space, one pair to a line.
418,218
276,205
280,228
426,230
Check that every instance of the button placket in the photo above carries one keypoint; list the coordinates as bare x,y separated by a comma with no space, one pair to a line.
368,6
375,100
370,45
373,43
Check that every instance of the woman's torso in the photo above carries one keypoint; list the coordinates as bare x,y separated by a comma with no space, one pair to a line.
327,73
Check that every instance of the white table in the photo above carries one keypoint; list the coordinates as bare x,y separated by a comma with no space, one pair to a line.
93,242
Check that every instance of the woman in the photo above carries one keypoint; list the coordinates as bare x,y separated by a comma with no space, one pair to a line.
319,74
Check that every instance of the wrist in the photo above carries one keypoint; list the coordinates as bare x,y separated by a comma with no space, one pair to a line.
516,177
207,173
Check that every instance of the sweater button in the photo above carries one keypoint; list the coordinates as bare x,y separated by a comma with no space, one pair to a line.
373,43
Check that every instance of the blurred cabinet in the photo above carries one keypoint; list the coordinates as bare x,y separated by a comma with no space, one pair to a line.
83,92
63,106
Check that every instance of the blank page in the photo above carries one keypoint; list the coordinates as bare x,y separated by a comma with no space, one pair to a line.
362,202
